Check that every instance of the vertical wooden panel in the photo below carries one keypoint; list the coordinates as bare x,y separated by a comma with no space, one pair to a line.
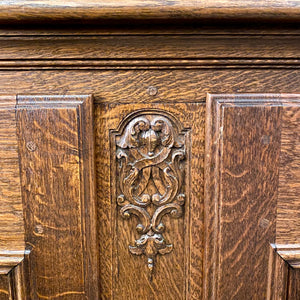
178,274
294,284
56,152
19,280
252,190
4,287
288,212
12,244
288,207
243,146
277,276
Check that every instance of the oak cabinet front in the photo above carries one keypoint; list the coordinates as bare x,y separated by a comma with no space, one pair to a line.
149,161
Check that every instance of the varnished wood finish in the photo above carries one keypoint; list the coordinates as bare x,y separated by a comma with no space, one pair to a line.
12,245
56,157
4,287
294,281
177,275
106,51
289,252
240,211
116,86
19,281
278,272
288,212
151,159
247,137
127,86
152,60
109,10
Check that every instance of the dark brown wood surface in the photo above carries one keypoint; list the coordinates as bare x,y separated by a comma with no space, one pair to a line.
240,196
133,71
288,212
4,287
12,246
177,275
294,284
278,277
132,86
57,173
92,10
199,47
126,86
20,281
247,211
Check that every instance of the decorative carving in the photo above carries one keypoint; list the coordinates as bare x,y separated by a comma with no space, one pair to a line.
150,156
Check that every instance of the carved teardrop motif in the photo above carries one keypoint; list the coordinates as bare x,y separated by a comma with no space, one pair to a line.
150,155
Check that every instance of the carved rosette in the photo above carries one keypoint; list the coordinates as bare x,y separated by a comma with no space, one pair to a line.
150,157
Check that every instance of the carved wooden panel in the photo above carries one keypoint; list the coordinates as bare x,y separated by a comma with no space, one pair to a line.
57,173
150,199
150,172
251,204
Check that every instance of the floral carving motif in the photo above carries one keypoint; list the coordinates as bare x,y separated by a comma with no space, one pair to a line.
150,155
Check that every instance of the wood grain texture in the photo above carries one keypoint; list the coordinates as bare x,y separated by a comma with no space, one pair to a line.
294,284
288,207
56,157
19,282
91,10
177,275
242,155
132,86
197,49
129,30
277,287
4,287
248,138
118,67
12,245
289,252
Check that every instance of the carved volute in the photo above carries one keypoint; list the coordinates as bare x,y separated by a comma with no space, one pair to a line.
150,155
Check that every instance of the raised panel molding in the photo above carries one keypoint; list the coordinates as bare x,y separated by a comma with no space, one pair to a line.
289,253
145,223
56,145
12,245
252,187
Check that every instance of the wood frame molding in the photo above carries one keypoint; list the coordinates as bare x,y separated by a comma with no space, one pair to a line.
10,259
137,51
289,253
108,10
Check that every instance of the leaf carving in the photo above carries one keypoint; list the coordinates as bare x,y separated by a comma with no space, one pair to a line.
150,153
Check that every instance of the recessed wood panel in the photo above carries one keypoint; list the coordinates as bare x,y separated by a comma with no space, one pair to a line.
139,173
4,287
12,246
56,158
251,183
288,212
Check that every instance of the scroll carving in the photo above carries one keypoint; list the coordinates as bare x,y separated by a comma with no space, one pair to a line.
150,156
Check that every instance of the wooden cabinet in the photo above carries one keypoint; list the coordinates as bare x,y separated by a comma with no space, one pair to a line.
149,150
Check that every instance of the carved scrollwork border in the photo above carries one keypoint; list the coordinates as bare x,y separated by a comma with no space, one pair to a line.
149,149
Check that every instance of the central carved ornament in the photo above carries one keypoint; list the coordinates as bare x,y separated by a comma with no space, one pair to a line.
150,155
